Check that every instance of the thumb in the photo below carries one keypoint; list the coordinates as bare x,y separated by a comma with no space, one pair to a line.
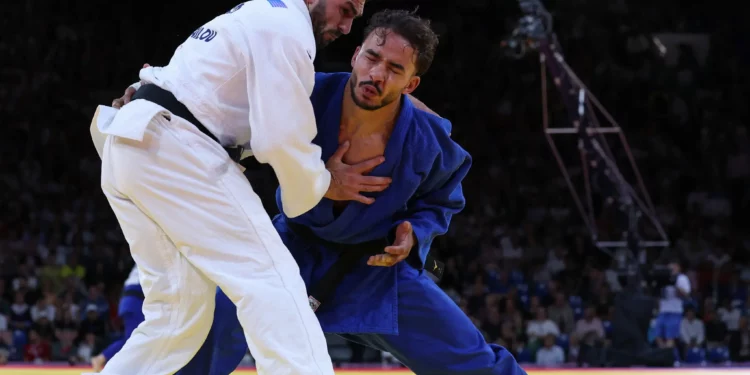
146,65
407,226
404,229
339,154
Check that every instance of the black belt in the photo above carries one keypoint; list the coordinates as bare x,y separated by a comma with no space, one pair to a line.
134,293
349,255
166,99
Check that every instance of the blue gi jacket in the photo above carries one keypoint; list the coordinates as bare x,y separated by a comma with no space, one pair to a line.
427,168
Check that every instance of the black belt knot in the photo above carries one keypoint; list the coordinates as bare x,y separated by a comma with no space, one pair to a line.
349,255
166,99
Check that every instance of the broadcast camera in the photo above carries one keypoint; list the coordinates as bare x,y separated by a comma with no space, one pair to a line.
533,26
603,185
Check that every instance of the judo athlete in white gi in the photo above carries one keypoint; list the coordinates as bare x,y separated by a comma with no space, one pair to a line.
191,218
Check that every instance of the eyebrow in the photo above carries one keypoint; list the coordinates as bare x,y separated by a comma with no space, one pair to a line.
393,64
353,9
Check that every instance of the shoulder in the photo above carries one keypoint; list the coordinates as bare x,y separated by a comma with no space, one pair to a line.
274,19
431,135
326,85
327,81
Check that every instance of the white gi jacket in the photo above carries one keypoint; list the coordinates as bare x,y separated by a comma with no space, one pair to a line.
247,76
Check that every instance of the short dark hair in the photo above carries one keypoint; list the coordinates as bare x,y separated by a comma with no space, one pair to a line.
416,30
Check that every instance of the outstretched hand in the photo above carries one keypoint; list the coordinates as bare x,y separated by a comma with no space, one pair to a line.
399,250
129,92
348,181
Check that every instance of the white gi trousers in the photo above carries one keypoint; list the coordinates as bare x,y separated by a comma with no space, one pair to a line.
194,222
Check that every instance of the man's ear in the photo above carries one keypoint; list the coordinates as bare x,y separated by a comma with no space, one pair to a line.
412,85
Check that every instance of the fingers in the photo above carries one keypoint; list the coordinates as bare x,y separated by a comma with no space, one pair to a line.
117,103
339,154
382,260
397,250
373,180
368,164
129,92
146,65
372,188
404,229
362,199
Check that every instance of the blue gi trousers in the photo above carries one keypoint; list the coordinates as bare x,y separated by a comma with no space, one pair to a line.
132,315
435,336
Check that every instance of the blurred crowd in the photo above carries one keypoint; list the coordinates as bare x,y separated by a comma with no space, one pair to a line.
519,261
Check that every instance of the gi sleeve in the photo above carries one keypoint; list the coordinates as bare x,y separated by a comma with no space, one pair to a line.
280,79
441,197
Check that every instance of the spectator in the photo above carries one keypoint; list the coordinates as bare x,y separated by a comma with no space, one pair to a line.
63,348
513,315
93,322
43,308
739,342
72,268
692,330
550,354
562,314
493,326
6,339
556,260
540,327
730,315
4,305
44,328
51,273
96,299
24,279
3,324
66,333
509,337
716,331
671,307
37,350
20,314
534,305
589,329
4,353
88,348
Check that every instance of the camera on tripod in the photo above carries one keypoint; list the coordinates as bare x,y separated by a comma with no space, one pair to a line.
533,26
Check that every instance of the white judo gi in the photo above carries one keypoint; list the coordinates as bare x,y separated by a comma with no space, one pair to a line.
190,216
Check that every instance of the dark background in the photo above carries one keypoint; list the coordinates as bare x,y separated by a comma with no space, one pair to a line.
519,243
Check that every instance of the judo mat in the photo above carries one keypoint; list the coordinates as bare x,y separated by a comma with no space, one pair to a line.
65,370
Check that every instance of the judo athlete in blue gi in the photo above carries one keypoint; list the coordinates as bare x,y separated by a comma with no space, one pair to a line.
385,301
130,311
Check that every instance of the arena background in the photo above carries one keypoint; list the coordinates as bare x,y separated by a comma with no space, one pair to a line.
518,246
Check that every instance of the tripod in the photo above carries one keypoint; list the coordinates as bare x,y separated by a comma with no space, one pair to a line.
601,173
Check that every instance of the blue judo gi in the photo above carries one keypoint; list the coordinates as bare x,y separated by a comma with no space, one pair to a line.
395,309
